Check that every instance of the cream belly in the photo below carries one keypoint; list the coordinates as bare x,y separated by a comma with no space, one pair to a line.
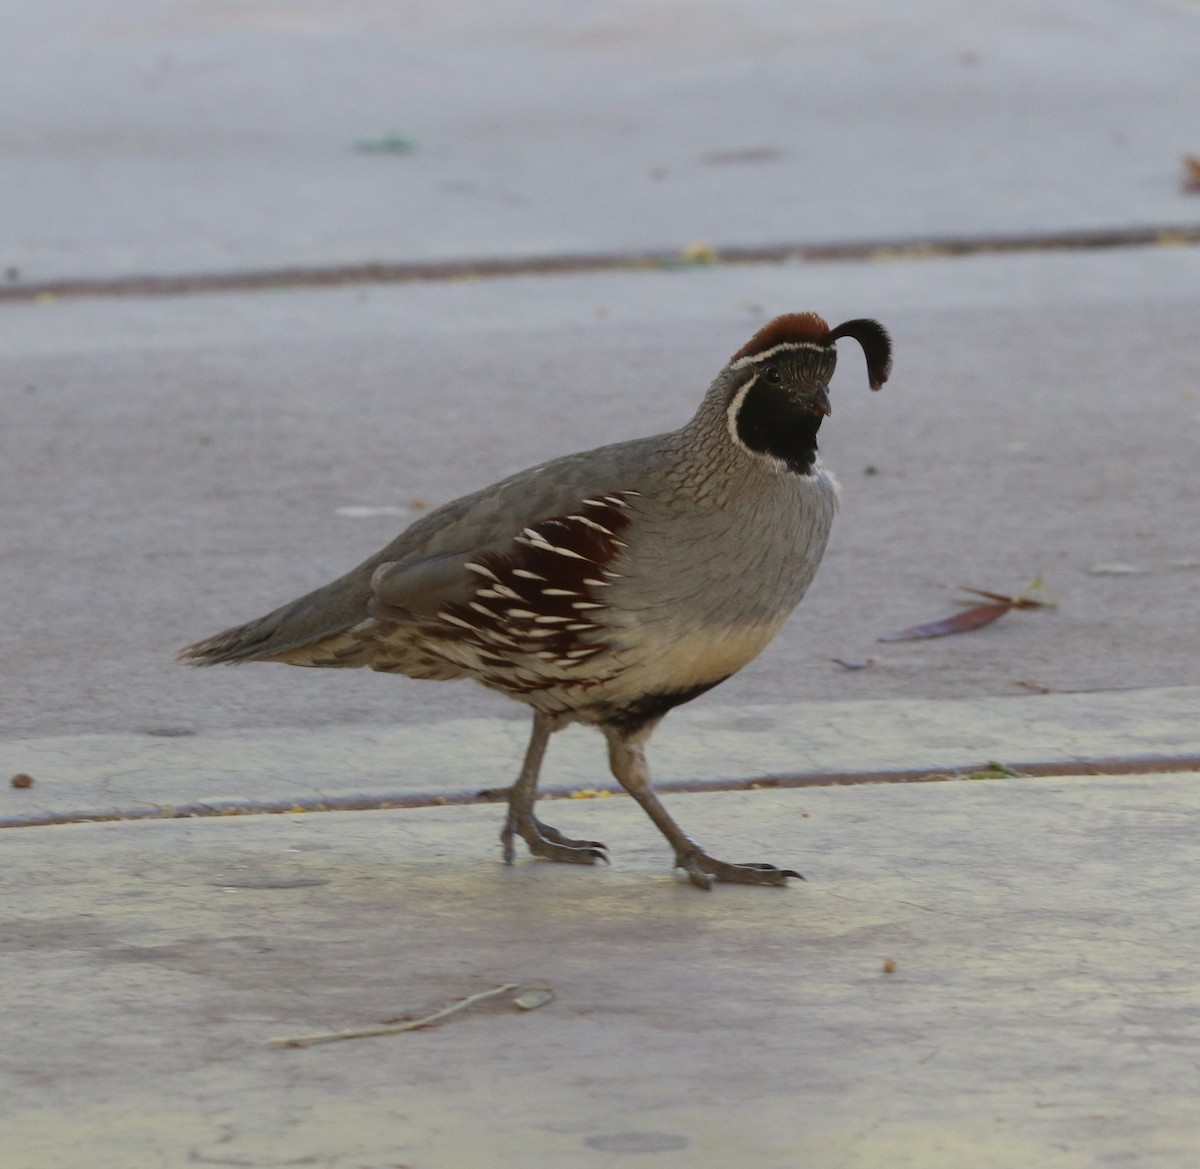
705,655
691,661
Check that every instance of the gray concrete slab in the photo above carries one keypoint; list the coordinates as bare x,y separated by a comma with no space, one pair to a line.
175,466
80,776
166,136
1042,1010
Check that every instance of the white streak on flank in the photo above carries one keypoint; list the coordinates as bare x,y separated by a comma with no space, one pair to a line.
526,574
594,503
617,501
580,627
455,620
590,524
482,569
521,613
582,653
482,609
542,633
550,620
585,605
544,545
782,347
560,592
489,593
594,583
505,591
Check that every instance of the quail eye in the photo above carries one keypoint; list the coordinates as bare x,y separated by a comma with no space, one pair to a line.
772,375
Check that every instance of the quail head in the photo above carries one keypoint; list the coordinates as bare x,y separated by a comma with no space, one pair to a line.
604,587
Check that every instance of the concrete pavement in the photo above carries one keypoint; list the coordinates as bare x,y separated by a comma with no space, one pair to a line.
990,972
203,135
184,464
1043,1008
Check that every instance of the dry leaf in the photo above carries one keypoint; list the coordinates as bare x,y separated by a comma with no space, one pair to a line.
1191,174
699,252
979,615
961,622
1021,601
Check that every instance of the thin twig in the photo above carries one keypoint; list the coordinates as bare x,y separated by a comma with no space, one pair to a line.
395,1029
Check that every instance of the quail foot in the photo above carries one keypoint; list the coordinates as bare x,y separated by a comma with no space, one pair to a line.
605,587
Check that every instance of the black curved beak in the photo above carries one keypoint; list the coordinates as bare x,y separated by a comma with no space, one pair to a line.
818,401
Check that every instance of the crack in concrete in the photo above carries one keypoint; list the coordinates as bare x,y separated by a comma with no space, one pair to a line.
1128,765
406,272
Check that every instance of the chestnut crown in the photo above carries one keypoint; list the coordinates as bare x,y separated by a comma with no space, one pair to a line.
808,329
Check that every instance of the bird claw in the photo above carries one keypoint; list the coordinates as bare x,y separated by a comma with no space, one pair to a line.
703,870
550,844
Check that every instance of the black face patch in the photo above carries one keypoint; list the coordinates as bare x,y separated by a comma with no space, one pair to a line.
774,420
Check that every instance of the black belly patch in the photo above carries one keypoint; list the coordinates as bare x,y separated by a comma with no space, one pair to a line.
650,708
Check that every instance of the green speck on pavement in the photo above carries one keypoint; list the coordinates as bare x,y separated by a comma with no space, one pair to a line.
387,144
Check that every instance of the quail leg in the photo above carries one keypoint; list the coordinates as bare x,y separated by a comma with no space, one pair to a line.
627,757
541,839
703,870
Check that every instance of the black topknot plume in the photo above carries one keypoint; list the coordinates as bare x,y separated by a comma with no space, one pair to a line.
876,345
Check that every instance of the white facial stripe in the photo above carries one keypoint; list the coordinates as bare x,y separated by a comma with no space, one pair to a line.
731,413
784,347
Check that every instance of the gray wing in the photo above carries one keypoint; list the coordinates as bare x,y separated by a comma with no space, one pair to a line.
418,586
421,570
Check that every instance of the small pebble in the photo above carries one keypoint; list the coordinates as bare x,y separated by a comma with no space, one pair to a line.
853,665
21,780
889,967
534,997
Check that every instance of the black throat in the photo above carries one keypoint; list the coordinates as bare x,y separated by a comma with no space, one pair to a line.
772,422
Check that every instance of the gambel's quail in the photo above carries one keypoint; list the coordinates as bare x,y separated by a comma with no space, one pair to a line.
605,587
